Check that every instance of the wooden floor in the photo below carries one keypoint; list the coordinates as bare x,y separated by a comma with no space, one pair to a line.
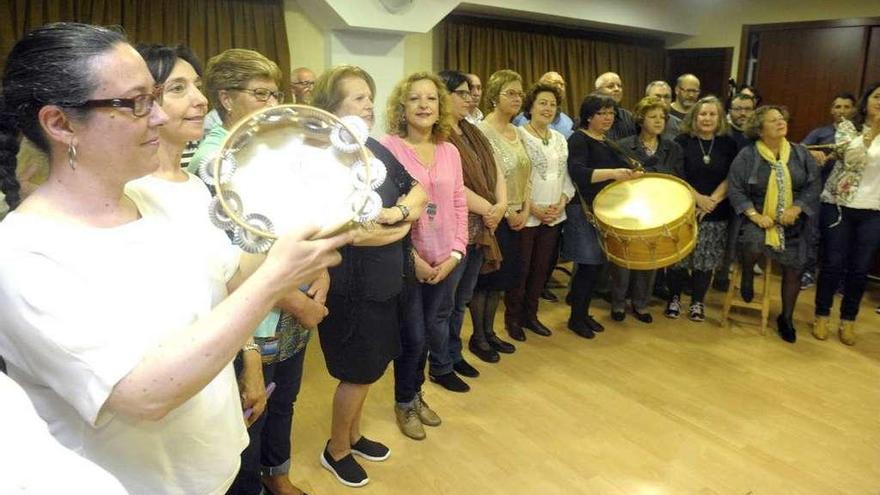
673,407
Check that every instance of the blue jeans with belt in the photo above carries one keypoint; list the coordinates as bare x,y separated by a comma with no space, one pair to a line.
850,241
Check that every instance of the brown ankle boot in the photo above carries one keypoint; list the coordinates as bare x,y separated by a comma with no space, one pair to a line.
847,332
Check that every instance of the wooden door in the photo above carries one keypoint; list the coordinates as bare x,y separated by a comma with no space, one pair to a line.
710,65
804,68
872,58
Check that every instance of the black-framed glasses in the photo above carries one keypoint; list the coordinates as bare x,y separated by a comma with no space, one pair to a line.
141,105
263,94
463,94
303,83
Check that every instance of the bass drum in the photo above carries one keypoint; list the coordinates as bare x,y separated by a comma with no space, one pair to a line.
646,223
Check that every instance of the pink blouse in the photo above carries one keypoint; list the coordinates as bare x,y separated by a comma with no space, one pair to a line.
442,227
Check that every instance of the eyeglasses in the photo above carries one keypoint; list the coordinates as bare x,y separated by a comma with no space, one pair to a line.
513,94
463,94
742,109
663,97
141,105
303,83
263,94
690,91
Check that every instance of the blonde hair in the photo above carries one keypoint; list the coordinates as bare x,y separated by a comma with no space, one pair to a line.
395,113
687,122
648,104
327,93
234,68
498,80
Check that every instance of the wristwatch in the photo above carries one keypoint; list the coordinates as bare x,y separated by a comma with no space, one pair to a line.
457,255
403,211
250,346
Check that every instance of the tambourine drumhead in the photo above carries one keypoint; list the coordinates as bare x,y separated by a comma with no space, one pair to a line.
292,166
646,223
648,202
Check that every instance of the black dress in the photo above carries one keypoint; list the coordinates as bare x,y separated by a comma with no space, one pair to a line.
361,333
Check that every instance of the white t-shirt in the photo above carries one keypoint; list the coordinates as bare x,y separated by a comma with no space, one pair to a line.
867,196
79,307
186,204
33,462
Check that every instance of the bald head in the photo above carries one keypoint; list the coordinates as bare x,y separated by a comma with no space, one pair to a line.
554,79
687,90
610,84
302,80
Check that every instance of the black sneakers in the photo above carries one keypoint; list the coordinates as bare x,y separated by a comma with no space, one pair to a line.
346,470
370,450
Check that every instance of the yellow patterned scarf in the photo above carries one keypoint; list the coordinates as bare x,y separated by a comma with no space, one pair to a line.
779,195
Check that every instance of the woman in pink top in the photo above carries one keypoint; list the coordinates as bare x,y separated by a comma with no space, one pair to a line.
418,125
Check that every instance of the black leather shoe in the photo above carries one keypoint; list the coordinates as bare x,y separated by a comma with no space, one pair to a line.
463,368
484,351
618,315
721,284
500,345
515,332
581,329
594,325
642,317
450,381
548,295
786,330
536,326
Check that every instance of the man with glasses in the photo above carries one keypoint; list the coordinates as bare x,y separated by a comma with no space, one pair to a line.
687,92
562,123
662,90
476,86
624,125
742,107
302,80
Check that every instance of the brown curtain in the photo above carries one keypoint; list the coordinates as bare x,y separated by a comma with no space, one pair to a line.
482,46
207,26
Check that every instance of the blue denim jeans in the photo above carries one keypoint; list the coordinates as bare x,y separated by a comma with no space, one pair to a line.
426,321
472,262
848,251
268,452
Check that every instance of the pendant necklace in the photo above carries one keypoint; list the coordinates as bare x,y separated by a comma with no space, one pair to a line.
544,139
707,156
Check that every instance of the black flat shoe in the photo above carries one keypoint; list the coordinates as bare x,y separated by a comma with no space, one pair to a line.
536,326
500,345
450,381
548,295
786,330
516,332
484,352
594,325
581,329
642,317
618,315
463,368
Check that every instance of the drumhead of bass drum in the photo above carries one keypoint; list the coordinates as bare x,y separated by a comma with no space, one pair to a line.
648,202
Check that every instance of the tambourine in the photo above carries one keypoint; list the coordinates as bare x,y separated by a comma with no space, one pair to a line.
291,166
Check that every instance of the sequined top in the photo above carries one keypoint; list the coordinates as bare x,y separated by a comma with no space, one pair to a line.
514,162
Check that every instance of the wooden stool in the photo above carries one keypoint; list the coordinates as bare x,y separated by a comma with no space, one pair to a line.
733,299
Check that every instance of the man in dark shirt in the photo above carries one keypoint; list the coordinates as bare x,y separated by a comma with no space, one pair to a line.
742,106
624,125
687,92
842,107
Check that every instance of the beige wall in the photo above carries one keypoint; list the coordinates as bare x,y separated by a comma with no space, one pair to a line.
308,43
721,24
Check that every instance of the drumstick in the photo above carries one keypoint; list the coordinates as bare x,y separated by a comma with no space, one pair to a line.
250,411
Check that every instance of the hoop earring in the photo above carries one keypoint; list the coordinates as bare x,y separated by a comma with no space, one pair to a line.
71,155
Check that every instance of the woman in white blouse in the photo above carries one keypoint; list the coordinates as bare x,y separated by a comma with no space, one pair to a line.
551,189
850,219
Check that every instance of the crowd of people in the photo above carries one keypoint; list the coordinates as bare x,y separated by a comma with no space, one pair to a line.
178,371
